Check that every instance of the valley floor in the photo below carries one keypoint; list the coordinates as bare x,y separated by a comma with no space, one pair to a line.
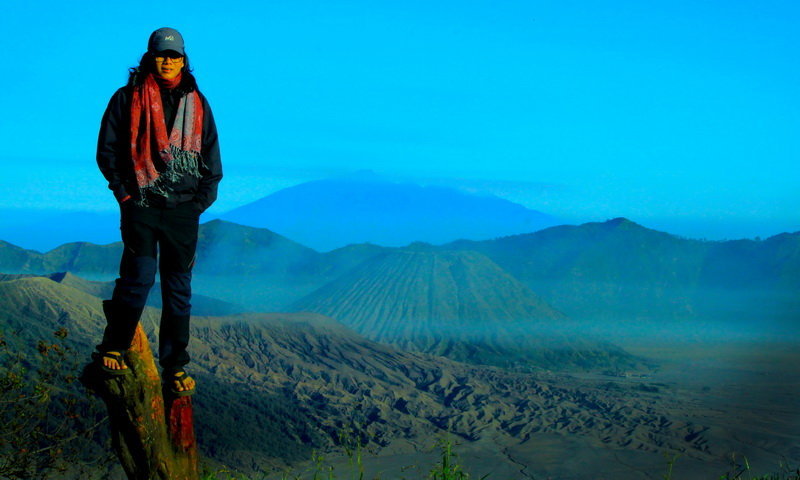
741,395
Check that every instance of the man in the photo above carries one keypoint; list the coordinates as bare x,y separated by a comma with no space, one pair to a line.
159,151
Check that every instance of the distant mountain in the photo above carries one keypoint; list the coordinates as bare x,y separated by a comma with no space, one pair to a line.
457,304
397,292
201,304
256,267
621,270
331,213
225,247
276,385
75,257
324,214
44,230
616,271
254,258
222,247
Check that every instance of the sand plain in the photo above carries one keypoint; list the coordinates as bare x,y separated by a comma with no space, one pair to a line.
739,398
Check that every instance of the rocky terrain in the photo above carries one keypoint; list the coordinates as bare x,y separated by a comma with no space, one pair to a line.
313,379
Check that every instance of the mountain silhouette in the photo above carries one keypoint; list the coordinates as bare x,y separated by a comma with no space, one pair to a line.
331,213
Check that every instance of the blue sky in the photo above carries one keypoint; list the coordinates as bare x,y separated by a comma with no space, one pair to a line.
681,115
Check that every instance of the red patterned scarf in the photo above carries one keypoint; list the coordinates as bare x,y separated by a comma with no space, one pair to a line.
180,150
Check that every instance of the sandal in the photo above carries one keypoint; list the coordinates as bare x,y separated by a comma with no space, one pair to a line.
117,357
182,378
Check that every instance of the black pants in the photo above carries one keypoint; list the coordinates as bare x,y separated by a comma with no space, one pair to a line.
145,231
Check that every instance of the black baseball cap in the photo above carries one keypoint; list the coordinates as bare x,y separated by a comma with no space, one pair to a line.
165,38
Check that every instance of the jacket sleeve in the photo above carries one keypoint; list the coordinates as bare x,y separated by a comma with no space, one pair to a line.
113,144
211,166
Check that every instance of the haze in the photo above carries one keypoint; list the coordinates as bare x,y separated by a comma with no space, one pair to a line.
677,115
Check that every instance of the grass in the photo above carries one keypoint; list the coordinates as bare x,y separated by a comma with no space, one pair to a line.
740,470
445,469
448,469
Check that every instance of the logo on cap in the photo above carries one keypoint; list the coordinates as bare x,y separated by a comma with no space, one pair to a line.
170,38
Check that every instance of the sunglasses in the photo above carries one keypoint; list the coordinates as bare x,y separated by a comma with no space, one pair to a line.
162,56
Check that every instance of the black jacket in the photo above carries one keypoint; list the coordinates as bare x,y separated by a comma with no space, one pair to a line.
114,153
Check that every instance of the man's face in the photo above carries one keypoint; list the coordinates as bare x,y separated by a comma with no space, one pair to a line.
168,64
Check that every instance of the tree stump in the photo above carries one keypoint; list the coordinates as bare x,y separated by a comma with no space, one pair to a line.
152,431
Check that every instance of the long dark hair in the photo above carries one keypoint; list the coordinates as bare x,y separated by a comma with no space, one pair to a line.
147,64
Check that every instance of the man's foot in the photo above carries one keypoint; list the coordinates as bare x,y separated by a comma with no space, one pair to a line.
112,362
182,384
